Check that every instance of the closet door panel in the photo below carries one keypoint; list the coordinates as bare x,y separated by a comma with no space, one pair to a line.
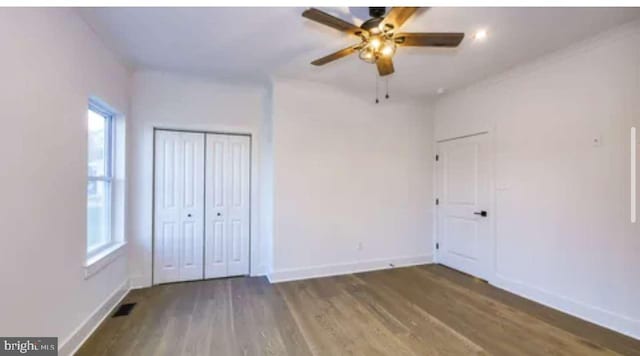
192,244
179,206
238,205
227,205
215,219
167,207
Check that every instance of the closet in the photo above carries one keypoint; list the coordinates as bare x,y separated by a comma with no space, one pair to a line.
201,205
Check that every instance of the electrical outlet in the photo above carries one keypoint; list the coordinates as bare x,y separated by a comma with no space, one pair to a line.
596,141
360,246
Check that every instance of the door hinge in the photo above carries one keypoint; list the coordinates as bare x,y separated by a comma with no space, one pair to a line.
437,201
437,158
437,245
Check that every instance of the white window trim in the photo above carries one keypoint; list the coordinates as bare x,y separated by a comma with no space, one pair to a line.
103,258
102,255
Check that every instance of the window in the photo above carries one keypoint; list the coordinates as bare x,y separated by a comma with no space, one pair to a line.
100,179
106,131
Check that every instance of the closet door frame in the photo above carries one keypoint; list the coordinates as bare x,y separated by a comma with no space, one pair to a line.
248,134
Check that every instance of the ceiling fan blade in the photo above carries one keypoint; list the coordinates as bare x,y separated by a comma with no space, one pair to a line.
385,66
331,21
397,16
336,55
438,39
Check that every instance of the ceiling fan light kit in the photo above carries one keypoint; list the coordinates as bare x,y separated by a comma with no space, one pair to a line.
376,47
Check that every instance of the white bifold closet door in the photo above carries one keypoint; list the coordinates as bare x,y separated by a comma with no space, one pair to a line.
201,206
227,205
179,206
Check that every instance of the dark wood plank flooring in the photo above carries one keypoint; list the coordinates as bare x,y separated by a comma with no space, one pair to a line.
426,310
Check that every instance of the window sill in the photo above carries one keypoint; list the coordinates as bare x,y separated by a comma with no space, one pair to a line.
103,259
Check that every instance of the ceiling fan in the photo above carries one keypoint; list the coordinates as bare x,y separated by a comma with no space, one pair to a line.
379,36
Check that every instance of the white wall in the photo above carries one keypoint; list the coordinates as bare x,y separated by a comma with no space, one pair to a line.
347,171
266,181
563,230
271,115
51,64
164,100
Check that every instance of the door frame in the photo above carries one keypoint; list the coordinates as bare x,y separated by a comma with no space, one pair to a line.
153,193
491,277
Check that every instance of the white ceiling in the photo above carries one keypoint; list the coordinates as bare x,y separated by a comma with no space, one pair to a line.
250,45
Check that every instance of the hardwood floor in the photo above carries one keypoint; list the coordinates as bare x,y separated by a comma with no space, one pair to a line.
426,310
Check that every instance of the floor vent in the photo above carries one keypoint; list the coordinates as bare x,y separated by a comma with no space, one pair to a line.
124,309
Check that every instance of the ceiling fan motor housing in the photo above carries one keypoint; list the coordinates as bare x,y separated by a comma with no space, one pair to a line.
377,11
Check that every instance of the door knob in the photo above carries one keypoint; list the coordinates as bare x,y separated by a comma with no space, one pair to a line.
482,213
188,215
219,214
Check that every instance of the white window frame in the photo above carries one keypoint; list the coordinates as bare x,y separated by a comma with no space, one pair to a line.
99,256
107,177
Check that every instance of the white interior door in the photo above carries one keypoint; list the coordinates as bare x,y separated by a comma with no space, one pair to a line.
227,205
179,206
463,214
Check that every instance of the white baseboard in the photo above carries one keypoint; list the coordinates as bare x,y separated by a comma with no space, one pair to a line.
137,282
72,343
596,315
346,268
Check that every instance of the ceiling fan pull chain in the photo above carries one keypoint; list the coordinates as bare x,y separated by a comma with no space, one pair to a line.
377,100
386,96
